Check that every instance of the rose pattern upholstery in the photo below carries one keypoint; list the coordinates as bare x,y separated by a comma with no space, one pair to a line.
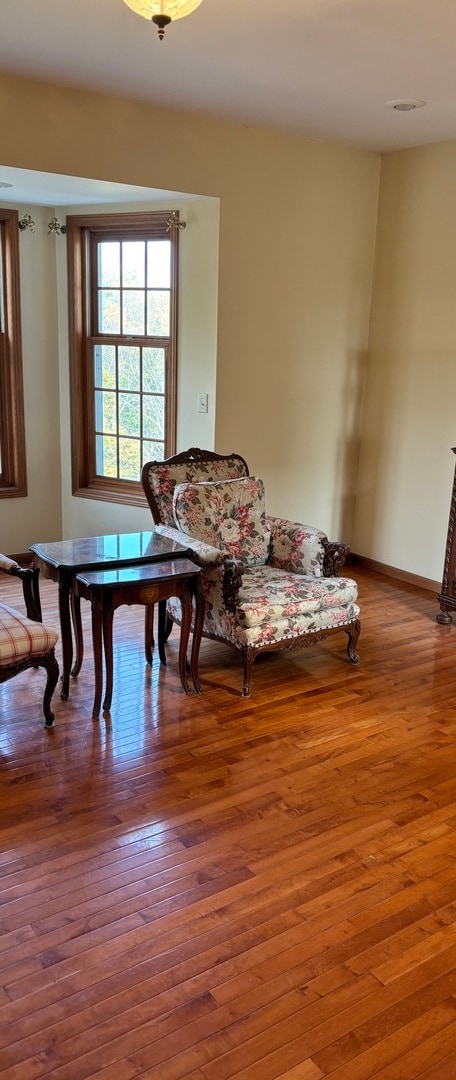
293,599
160,478
228,514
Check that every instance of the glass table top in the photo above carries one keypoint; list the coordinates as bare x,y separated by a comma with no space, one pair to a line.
117,548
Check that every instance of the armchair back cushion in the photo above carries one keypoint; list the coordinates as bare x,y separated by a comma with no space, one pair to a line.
227,514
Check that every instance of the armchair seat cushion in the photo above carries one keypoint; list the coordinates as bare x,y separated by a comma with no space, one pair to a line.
274,607
268,594
21,638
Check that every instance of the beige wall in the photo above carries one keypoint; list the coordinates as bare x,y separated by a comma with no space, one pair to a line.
23,520
406,464
297,235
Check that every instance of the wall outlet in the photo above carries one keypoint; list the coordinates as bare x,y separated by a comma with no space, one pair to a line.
201,402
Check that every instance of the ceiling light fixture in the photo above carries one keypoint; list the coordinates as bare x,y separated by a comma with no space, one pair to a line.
162,12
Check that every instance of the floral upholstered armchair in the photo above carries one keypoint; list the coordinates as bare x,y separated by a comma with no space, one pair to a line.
24,641
269,583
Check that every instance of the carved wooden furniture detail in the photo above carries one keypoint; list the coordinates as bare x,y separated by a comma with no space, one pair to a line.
447,595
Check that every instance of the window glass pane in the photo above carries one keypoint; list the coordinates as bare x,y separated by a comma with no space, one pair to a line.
133,264
154,371
105,366
106,455
109,311
105,411
153,451
109,264
133,311
129,459
157,313
129,414
159,264
129,367
153,417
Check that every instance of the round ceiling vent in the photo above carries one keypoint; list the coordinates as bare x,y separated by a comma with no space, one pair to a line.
405,104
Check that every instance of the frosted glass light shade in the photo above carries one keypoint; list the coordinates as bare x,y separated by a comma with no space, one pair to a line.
171,9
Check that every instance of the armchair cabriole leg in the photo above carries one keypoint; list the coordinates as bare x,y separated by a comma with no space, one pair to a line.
353,635
248,657
52,670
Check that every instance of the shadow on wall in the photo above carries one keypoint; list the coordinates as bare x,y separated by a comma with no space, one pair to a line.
348,456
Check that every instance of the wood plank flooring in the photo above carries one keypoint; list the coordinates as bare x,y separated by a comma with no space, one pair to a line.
212,888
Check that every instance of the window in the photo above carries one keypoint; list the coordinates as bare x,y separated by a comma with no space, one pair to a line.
122,317
13,475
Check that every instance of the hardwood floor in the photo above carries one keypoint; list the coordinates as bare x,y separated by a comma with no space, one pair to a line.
211,887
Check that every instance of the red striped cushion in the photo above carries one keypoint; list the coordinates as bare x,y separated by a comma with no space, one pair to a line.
20,637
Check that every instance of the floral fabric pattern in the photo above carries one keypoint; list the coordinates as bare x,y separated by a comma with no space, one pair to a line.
296,548
229,515
163,479
269,594
282,594
273,609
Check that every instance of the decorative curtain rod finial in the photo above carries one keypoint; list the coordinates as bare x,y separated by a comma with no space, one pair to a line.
54,227
174,223
26,223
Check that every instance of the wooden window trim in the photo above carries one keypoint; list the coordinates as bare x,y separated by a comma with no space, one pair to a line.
13,477
84,483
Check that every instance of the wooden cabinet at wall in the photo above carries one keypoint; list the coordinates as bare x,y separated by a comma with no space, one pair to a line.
447,597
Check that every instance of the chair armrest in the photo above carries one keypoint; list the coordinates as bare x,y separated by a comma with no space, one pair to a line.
203,554
30,587
220,567
233,570
334,557
302,549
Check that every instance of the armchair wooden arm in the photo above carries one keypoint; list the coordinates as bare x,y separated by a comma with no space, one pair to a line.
30,587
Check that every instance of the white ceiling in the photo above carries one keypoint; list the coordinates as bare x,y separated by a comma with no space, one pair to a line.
323,68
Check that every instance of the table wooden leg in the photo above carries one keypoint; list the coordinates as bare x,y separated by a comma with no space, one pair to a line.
67,638
161,630
197,633
97,623
78,638
149,632
107,640
186,621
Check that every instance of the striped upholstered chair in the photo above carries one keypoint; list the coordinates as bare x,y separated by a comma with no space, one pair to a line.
24,641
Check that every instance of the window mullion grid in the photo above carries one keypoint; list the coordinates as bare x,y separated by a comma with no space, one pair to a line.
121,289
117,414
141,405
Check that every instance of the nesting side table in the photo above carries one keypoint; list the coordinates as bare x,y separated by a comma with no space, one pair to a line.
109,589
63,559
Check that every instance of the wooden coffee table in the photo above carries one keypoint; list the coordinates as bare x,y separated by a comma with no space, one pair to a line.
63,559
109,589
